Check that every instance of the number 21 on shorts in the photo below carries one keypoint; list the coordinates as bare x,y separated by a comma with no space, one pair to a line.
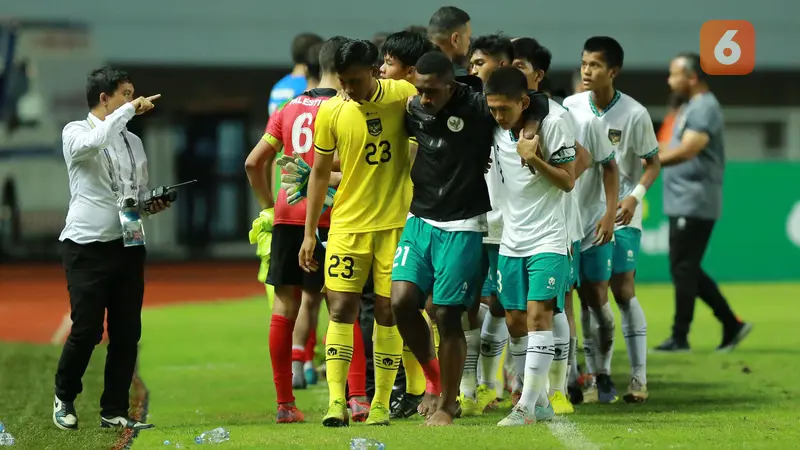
727,47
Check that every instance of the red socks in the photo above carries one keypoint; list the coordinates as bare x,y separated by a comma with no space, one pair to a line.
433,384
280,353
357,375
311,343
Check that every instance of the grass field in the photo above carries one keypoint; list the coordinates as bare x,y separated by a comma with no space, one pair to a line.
207,365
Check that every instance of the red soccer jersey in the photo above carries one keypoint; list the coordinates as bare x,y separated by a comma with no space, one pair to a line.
293,126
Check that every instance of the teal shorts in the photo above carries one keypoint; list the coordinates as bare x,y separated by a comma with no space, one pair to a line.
574,267
534,278
627,242
445,263
596,263
490,285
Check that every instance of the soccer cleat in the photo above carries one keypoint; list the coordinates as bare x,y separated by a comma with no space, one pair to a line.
405,406
123,422
606,391
637,392
672,345
730,339
289,414
469,406
484,397
561,404
518,416
544,413
64,415
575,394
590,394
337,415
358,410
299,381
378,415
311,376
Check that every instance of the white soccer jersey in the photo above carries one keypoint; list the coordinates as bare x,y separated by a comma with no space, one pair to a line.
627,125
589,188
495,216
534,219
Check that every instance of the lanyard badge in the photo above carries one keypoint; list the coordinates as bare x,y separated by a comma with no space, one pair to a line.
131,222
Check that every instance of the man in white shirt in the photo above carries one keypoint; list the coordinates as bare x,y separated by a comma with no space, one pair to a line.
533,265
629,129
104,266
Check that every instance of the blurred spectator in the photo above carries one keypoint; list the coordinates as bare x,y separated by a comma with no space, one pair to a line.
674,106
294,83
421,29
577,82
693,167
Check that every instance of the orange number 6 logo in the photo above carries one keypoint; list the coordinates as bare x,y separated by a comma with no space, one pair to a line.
727,47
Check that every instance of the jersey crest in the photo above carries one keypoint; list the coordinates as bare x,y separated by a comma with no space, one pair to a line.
455,124
614,136
374,127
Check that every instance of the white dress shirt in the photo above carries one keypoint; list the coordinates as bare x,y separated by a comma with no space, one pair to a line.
105,163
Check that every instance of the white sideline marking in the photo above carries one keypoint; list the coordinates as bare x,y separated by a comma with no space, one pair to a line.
569,435
62,331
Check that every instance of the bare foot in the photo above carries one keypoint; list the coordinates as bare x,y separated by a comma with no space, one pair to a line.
439,419
428,405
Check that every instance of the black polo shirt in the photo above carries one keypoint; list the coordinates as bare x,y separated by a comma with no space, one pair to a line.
453,149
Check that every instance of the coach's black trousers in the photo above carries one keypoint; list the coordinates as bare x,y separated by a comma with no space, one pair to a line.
102,276
688,239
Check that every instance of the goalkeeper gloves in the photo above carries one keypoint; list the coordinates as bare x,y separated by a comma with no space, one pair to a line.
261,235
295,180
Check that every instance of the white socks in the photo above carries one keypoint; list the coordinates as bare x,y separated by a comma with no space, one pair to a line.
634,329
589,349
603,360
537,365
558,369
572,361
517,353
494,336
469,377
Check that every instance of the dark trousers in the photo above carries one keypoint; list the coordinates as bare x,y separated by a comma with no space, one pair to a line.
688,239
102,276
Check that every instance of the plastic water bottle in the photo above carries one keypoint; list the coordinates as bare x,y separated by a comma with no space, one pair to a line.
366,444
6,439
2,427
214,436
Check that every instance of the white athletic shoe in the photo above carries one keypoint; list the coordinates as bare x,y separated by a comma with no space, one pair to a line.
518,416
64,415
123,422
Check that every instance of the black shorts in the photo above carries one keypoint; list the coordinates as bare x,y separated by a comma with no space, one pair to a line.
284,267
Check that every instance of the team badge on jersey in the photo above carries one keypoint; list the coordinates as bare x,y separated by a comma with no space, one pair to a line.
374,127
455,124
614,136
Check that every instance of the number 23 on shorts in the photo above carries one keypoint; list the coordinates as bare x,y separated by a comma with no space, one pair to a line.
727,47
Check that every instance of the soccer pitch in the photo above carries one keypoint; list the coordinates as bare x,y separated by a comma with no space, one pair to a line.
207,365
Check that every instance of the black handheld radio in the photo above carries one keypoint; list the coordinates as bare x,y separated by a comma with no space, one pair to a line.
163,193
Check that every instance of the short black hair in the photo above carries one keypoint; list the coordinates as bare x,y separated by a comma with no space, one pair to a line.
446,20
532,51
105,80
494,45
691,63
506,81
609,47
327,54
435,63
300,45
406,46
355,52
312,62
421,29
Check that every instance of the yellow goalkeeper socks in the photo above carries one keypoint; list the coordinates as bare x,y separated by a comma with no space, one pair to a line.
338,353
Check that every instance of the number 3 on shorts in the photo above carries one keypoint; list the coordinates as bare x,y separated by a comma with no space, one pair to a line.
499,282
402,250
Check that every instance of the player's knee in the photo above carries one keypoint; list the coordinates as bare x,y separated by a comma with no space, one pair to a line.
540,315
496,308
449,318
517,323
404,298
623,287
383,312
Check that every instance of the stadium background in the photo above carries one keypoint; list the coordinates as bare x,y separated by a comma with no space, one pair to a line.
214,64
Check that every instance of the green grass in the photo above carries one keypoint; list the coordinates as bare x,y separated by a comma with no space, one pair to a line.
207,365
26,399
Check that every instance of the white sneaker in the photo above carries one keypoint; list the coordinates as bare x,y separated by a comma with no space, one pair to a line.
64,415
124,422
518,416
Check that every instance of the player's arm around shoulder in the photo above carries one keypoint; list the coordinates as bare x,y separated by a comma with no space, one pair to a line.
558,162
